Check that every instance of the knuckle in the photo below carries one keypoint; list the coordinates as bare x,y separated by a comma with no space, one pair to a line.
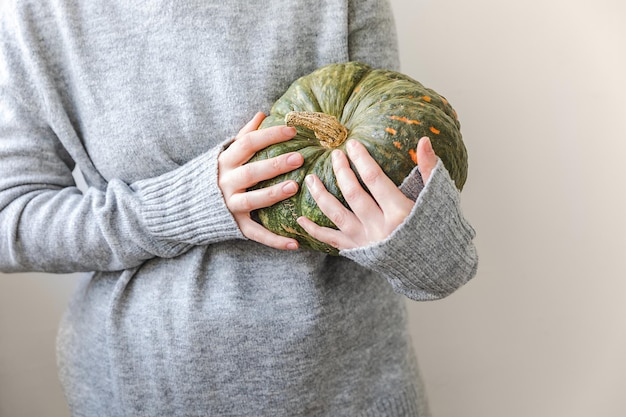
224,160
245,144
334,243
342,170
370,175
246,174
274,192
338,218
223,185
277,163
351,193
245,204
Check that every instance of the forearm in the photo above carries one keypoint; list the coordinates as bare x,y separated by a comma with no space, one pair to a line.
47,224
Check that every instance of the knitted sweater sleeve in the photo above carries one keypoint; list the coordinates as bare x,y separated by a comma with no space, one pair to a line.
48,224
431,254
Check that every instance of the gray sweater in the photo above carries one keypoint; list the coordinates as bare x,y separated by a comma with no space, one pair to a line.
180,314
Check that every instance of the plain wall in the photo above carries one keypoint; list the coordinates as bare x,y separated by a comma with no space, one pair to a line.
541,331
539,88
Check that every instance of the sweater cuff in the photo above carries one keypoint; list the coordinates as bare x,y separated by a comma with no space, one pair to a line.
413,184
186,205
431,253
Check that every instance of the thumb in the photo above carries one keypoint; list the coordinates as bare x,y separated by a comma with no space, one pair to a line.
426,157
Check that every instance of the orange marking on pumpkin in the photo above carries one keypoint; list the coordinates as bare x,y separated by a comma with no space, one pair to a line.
405,120
426,98
435,131
413,155
397,145
443,99
390,130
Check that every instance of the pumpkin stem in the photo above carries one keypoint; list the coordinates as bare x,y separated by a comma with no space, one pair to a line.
327,128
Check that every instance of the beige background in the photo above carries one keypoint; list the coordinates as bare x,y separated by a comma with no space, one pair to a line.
541,331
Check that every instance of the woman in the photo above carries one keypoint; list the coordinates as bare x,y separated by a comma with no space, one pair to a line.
193,309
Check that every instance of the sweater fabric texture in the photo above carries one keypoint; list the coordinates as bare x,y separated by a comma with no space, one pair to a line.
178,314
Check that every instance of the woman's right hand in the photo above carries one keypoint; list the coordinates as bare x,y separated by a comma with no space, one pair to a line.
235,177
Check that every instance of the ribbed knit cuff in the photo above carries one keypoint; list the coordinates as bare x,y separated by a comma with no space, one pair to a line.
431,254
186,205
413,184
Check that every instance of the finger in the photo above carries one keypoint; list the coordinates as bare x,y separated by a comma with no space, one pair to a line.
254,231
360,201
251,174
426,157
343,218
331,237
264,197
377,182
252,125
244,148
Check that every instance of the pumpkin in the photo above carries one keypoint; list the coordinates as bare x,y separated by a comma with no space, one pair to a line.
386,111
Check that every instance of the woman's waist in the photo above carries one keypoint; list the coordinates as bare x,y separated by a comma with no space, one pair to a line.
238,286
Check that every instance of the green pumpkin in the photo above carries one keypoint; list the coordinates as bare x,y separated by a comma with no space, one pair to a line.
386,111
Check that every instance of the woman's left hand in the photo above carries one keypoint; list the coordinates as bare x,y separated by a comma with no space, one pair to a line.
371,218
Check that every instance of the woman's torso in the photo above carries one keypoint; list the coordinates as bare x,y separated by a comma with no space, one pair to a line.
232,328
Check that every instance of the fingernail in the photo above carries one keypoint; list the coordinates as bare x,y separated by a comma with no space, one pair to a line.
289,131
292,246
290,188
295,159
309,180
335,154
